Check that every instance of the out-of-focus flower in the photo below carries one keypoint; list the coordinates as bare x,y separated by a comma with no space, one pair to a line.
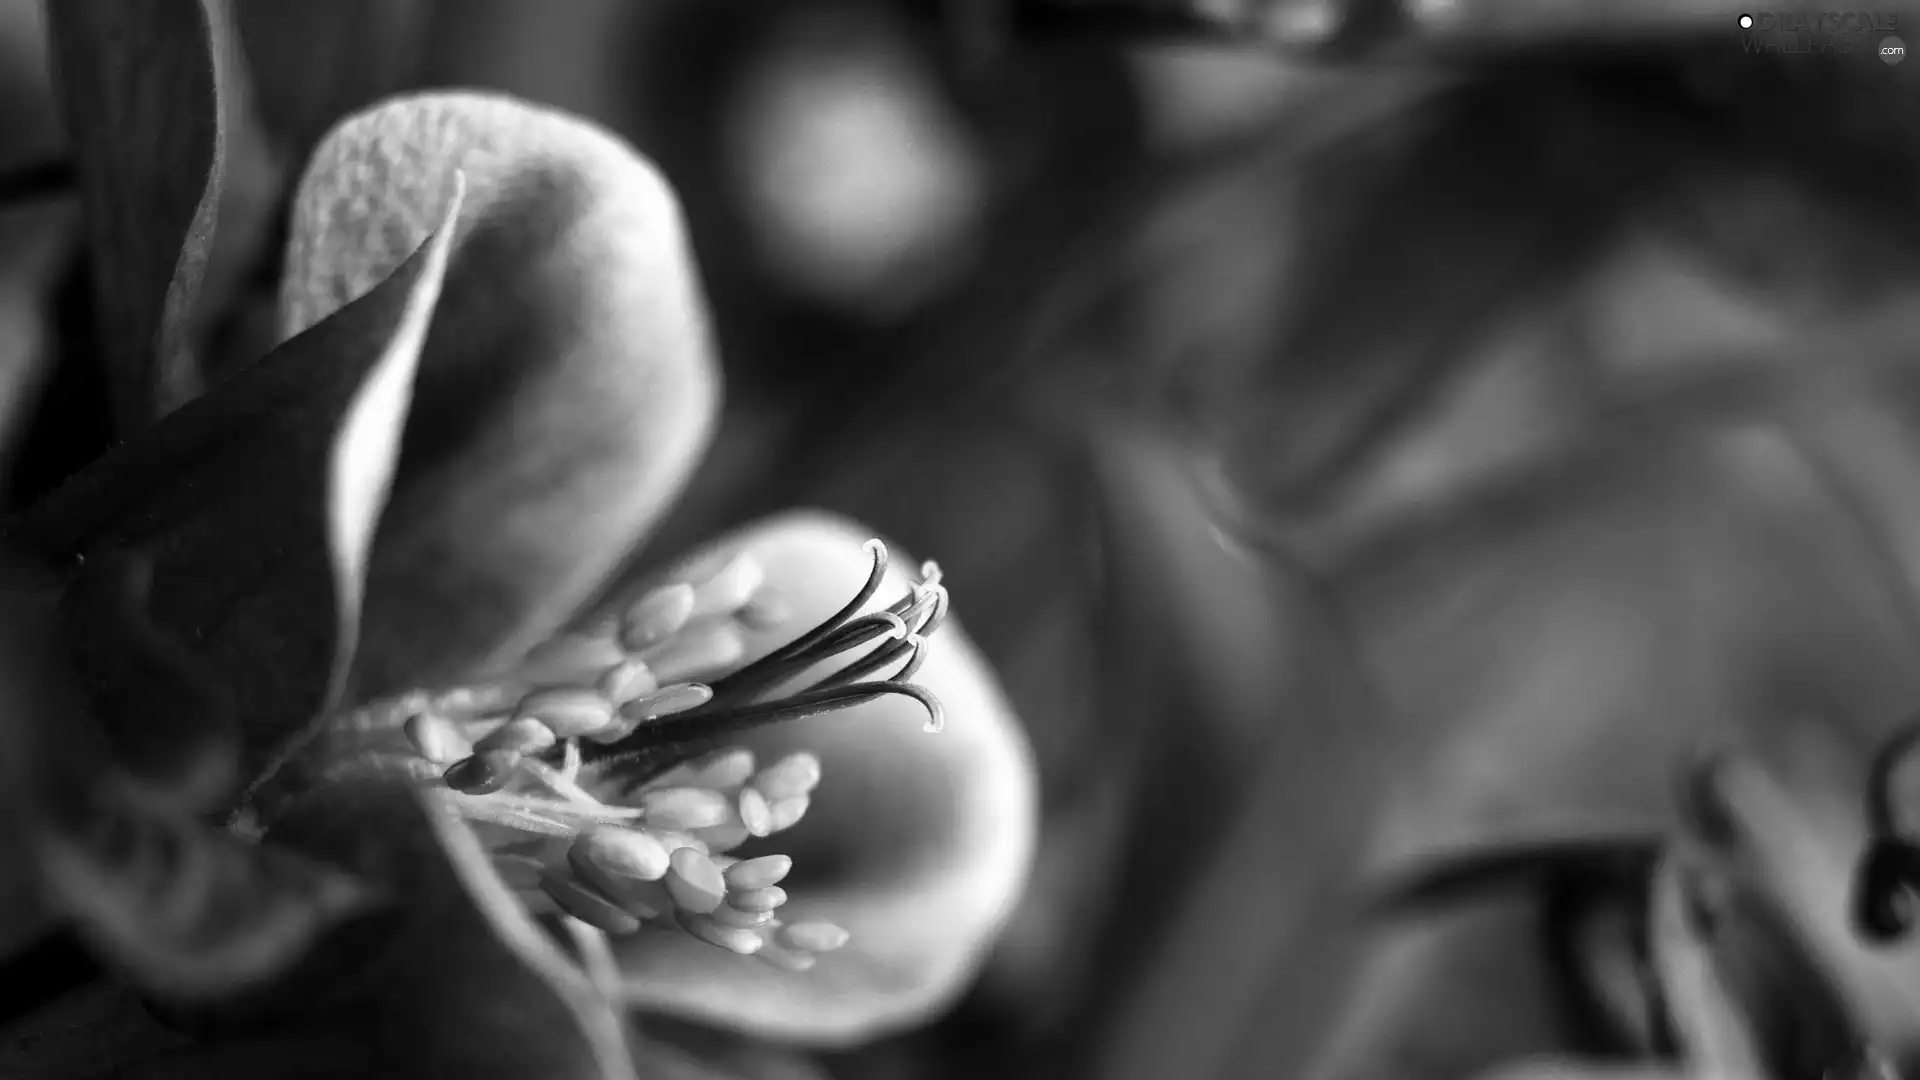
1762,937
355,601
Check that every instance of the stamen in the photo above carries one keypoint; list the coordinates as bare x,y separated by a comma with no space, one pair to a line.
688,657
794,775
787,959
787,813
728,915
715,724
694,882
874,663
1886,886
522,736
519,872
483,773
568,710
579,813
722,770
1882,814
437,738
588,906
686,808
761,873
563,784
756,814
766,899
731,588
619,706
706,928
766,611
657,616
485,809
571,659
632,853
815,937
629,680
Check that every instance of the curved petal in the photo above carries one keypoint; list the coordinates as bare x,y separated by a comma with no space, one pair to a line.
185,910
256,505
567,386
918,843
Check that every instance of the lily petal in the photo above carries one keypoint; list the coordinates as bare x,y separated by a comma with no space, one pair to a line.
918,843
256,504
567,386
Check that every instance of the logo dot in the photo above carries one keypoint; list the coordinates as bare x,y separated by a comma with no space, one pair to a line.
1892,50
1746,22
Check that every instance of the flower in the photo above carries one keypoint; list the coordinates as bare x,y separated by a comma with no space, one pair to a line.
560,763
364,603
1762,934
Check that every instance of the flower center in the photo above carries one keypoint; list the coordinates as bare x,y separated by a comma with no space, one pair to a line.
598,775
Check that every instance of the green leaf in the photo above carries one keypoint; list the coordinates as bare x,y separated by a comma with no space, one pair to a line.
141,82
567,386
256,505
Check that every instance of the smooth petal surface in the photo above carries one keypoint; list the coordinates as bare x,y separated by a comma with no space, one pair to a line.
567,384
141,84
255,506
919,843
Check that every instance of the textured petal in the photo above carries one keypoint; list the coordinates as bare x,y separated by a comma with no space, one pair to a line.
919,843
256,505
567,385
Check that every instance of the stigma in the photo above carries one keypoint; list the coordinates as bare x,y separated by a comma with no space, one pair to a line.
601,775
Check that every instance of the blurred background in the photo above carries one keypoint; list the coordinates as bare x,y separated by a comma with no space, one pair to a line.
1349,434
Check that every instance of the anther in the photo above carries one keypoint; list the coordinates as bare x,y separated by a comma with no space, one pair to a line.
483,773
657,616
694,881
815,937
760,873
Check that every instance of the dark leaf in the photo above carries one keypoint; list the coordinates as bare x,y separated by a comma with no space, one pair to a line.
182,908
468,985
314,61
567,385
257,503
141,83
165,723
